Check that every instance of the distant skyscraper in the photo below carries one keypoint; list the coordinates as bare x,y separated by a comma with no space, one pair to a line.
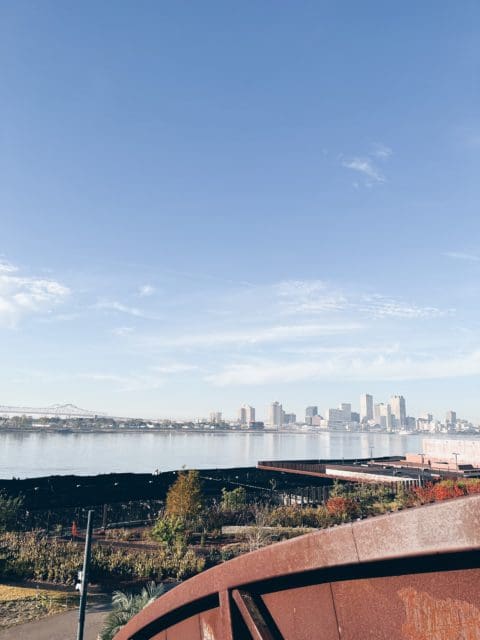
399,411
216,417
274,414
310,412
366,407
383,415
346,407
451,418
246,414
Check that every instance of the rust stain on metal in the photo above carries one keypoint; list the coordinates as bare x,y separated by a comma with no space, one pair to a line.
430,618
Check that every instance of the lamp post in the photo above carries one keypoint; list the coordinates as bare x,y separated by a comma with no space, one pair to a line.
83,576
454,453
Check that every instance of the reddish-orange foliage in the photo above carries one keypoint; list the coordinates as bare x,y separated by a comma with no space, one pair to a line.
473,485
340,507
446,489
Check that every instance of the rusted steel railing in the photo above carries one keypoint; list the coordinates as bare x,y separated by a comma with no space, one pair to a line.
412,575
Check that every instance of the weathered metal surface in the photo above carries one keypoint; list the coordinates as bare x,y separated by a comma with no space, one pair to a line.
412,575
259,627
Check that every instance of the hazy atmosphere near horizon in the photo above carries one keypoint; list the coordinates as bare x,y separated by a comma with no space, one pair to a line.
210,204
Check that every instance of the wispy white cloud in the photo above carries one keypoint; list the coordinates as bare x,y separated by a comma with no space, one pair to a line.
460,255
7,267
379,306
146,290
299,296
313,350
125,383
381,151
366,167
175,367
113,305
23,295
255,335
340,367
154,377
318,297
121,332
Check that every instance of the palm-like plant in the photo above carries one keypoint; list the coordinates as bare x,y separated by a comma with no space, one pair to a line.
127,605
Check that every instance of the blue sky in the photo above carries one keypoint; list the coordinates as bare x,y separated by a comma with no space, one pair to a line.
207,204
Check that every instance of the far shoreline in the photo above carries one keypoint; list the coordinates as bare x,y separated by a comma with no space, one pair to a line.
300,432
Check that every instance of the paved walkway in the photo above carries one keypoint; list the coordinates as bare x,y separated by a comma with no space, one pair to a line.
62,626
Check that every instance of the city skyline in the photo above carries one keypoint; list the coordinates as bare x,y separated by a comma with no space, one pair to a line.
208,216
274,413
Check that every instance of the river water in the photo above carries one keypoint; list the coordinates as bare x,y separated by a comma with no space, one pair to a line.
28,455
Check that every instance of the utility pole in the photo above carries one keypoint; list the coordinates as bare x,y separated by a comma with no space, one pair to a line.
454,453
84,577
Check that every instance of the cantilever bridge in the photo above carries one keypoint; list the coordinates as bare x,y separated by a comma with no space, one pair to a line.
54,411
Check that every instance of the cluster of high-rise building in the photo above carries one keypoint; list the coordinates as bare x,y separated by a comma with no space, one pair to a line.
277,417
246,415
391,416
388,416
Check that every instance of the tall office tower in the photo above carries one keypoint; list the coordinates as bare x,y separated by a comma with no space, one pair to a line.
366,407
383,415
250,411
215,417
399,411
346,407
242,415
451,418
310,412
274,414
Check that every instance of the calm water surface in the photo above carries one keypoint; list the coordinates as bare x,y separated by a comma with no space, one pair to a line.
39,454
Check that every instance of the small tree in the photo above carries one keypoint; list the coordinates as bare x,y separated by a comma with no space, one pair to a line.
184,498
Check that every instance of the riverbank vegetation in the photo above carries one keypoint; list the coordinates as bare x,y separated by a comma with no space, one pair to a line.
191,533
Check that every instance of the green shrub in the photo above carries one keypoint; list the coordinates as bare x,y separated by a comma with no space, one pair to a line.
167,529
34,556
9,512
232,500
